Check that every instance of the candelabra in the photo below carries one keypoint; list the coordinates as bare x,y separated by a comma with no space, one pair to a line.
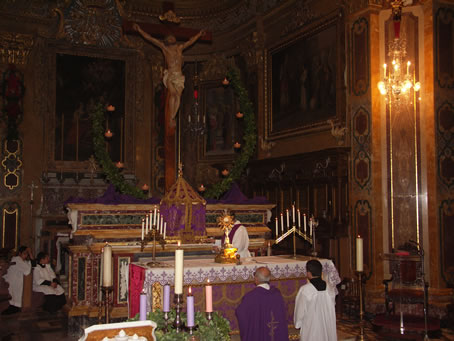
294,231
153,236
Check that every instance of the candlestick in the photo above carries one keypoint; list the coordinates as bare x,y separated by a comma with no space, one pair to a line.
277,227
359,254
179,254
107,266
143,227
288,219
190,309
143,307
282,222
166,301
208,297
299,219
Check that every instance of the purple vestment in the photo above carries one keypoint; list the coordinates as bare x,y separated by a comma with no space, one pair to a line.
262,316
231,234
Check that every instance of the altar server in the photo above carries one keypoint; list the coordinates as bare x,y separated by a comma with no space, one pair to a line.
45,281
19,267
315,313
239,238
262,312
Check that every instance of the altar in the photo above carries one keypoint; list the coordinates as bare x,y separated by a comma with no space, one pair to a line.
230,282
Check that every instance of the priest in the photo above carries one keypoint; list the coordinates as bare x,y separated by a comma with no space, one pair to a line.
239,238
315,313
262,312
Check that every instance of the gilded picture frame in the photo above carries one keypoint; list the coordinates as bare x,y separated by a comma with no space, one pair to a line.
305,79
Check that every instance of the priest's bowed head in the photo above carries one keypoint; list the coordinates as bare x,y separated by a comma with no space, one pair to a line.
262,312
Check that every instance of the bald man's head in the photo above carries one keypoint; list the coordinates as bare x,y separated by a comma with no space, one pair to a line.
262,275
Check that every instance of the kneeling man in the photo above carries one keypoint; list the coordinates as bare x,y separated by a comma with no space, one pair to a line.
262,312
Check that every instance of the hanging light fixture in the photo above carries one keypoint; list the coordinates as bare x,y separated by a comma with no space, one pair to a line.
398,78
196,121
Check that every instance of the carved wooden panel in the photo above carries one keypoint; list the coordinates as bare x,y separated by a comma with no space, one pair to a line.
360,59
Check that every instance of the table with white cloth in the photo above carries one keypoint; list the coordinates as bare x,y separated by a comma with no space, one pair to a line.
230,282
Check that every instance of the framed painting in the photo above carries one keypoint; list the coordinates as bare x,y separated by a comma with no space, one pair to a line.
305,79
219,106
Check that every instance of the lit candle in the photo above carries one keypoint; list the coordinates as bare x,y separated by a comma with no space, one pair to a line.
165,230
143,307
208,298
305,221
190,309
150,219
161,226
282,222
288,219
154,216
277,227
157,220
143,227
166,303
146,225
310,226
179,254
107,266
293,214
359,254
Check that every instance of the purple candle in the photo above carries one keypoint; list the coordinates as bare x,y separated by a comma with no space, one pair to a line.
143,307
166,305
190,309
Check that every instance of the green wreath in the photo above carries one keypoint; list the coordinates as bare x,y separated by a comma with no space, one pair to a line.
249,142
249,139
217,329
102,156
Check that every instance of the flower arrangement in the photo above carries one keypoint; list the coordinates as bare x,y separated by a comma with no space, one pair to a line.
217,329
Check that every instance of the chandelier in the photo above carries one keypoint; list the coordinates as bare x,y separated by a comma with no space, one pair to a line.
196,124
399,78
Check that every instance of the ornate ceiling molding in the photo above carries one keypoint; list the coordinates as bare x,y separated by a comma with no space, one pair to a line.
15,47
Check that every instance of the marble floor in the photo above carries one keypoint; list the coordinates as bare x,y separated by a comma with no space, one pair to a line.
42,326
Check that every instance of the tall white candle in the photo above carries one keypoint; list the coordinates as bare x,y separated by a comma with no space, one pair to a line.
146,225
288,219
165,230
150,219
161,226
179,256
282,222
277,227
293,214
158,220
154,216
359,254
143,227
107,266
305,223
299,219
310,226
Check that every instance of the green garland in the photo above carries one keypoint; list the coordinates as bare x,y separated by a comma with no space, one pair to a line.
102,156
218,329
249,142
249,139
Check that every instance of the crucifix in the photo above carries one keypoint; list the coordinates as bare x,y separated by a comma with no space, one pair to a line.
173,78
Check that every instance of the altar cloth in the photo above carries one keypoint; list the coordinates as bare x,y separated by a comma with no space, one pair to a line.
230,282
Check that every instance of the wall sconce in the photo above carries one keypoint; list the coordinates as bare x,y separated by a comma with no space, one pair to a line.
225,172
239,114
225,81
108,134
237,145
120,165
110,107
201,188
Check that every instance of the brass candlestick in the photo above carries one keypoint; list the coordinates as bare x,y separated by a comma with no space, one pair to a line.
361,307
153,236
178,305
106,294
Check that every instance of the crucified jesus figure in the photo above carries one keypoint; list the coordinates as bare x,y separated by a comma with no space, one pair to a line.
173,54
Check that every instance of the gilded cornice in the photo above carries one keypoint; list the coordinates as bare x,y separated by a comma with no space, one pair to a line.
15,47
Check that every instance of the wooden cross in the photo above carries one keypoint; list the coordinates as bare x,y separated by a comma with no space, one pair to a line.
180,33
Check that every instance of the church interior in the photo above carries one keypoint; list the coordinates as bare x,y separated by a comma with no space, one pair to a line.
133,130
